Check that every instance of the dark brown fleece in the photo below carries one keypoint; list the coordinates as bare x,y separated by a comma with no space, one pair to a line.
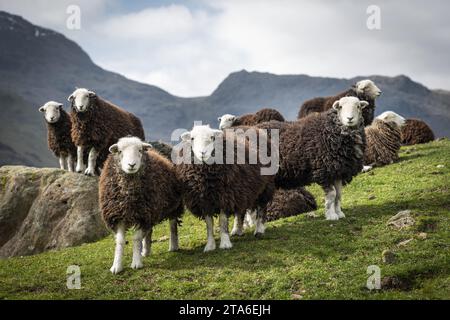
59,138
260,116
209,189
163,148
290,202
318,149
143,199
326,103
383,143
416,131
102,125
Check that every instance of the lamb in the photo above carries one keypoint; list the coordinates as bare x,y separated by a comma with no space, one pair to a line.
59,139
383,138
364,90
290,202
416,131
213,186
326,148
263,115
138,188
96,125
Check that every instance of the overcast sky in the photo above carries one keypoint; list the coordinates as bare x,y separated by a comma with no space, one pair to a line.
189,47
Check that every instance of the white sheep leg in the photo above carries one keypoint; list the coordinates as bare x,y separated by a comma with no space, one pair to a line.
70,163
367,168
250,219
330,198
147,243
92,161
137,249
260,228
173,244
225,242
120,242
337,203
211,244
238,226
80,164
62,162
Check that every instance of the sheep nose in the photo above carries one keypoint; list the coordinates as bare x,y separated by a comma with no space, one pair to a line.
52,118
132,165
350,118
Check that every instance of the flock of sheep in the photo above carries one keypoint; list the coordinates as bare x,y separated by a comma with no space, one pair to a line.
333,139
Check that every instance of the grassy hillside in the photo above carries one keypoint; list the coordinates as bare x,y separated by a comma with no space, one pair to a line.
299,257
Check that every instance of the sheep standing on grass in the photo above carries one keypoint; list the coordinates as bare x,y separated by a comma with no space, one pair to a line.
228,120
212,186
383,138
364,90
138,188
59,139
416,131
326,148
96,125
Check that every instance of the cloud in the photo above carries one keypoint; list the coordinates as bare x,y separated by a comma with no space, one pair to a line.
188,49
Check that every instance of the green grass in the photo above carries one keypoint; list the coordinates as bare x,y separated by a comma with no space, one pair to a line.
310,257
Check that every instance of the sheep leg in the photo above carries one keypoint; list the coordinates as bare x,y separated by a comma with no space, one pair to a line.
62,162
120,242
70,163
137,249
225,242
337,203
238,225
330,198
260,228
92,161
211,244
80,163
147,243
173,244
250,219
366,168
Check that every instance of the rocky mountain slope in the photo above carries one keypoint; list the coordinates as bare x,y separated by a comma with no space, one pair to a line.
37,65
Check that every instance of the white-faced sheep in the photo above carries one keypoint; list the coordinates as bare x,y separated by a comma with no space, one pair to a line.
326,148
138,188
383,139
416,131
228,120
212,185
364,90
59,138
96,125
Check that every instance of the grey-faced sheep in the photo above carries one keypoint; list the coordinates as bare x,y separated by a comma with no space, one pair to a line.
228,120
364,90
383,139
138,188
96,125
416,131
212,184
59,138
326,148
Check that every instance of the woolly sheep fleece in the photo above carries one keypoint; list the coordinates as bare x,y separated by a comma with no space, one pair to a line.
383,143
290,202
416,131
59,136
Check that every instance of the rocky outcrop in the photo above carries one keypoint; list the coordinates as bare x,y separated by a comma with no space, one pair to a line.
46,208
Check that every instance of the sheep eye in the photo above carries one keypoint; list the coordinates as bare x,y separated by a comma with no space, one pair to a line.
213,138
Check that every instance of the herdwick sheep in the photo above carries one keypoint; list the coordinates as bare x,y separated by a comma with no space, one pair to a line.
163,148
383,139
59,139
364,90
96,125
416,131
290,202
326,148
138,188
228,120
211,185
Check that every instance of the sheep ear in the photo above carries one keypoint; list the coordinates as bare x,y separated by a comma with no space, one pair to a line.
186,136
42,109
70,98
336,105
219,119
60,106
147,146
218,133
92,94
363,104
114,148
233,118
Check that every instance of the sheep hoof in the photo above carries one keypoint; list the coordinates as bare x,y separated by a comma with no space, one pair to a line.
89,172
236,232
340,214
259,235
210,247
366,168
116,269
226,244
145,253
332,216
137,265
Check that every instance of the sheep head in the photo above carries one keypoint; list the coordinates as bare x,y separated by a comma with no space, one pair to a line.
202,140
52,111
349,110
128,152
391,116
81,98
368,89
226,121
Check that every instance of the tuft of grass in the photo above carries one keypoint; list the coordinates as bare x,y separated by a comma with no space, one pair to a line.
299,256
